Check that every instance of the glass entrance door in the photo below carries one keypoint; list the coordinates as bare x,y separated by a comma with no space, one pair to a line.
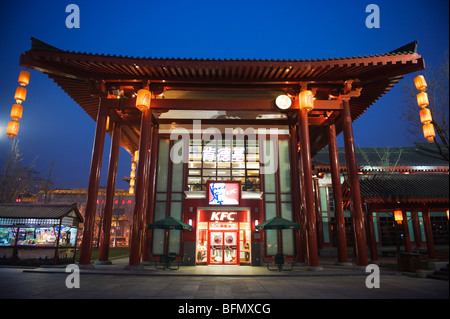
223,247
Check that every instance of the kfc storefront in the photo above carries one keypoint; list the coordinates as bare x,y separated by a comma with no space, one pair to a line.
146,104
223,236
223,226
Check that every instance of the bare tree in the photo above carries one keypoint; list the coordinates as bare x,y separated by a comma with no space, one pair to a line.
16,178
438,85
383,159
47,185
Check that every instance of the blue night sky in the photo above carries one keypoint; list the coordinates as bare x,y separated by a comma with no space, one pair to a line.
55,128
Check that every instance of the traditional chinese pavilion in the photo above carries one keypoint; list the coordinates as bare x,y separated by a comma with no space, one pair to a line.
201,100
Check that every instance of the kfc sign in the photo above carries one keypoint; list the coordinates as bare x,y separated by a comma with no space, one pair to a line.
223,193
223,216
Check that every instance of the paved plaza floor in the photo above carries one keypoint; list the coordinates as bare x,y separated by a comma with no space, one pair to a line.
214,282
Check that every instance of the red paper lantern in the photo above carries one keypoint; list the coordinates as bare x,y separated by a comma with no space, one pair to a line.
306,100
12,129
422,99
428,132
425,116
16,112
420,82
24,78
398,216
143,99
20,95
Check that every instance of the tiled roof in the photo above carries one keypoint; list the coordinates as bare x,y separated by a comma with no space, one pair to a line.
38,45
37,211
82,76
402,187
420,157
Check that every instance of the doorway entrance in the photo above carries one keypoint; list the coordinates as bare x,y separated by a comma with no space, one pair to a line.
223,236
223,248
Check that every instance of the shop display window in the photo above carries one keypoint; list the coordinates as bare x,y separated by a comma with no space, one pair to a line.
223,161
7,236
42,236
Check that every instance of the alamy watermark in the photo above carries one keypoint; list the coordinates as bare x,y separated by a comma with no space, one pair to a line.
373,279
73,19
73,280
373,19
268,159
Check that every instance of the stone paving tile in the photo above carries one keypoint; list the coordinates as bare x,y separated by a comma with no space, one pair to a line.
14,283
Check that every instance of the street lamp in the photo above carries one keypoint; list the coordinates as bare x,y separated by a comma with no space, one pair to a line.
283,102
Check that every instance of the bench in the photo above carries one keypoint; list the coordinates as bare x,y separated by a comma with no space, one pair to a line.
176,263
279,262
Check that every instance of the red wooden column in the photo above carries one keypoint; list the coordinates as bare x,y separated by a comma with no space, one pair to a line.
94,178
150,214
310,214
371,240
416,228
428,233
318,209
295,178
355,192
406,237
141,201
110,191
337,194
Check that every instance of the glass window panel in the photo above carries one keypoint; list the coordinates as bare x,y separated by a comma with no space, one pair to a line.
236,172
163,165
177,196
253,184
271,198
158,241
177,177
209,154
286,211
269,183
224,154
223,165
161,196
194,180
253,173
195,172
271,242
284,166
288,241
174,241
209,165
195,164
375,226
223,172
160,210
252,165
175,210
238,154
239,165
285,197
241,179
209,172
326,233
323,198
271,210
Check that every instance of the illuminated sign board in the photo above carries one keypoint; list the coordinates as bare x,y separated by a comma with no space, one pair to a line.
224,193
221,215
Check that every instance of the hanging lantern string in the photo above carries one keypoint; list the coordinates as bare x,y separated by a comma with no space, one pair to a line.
17,109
